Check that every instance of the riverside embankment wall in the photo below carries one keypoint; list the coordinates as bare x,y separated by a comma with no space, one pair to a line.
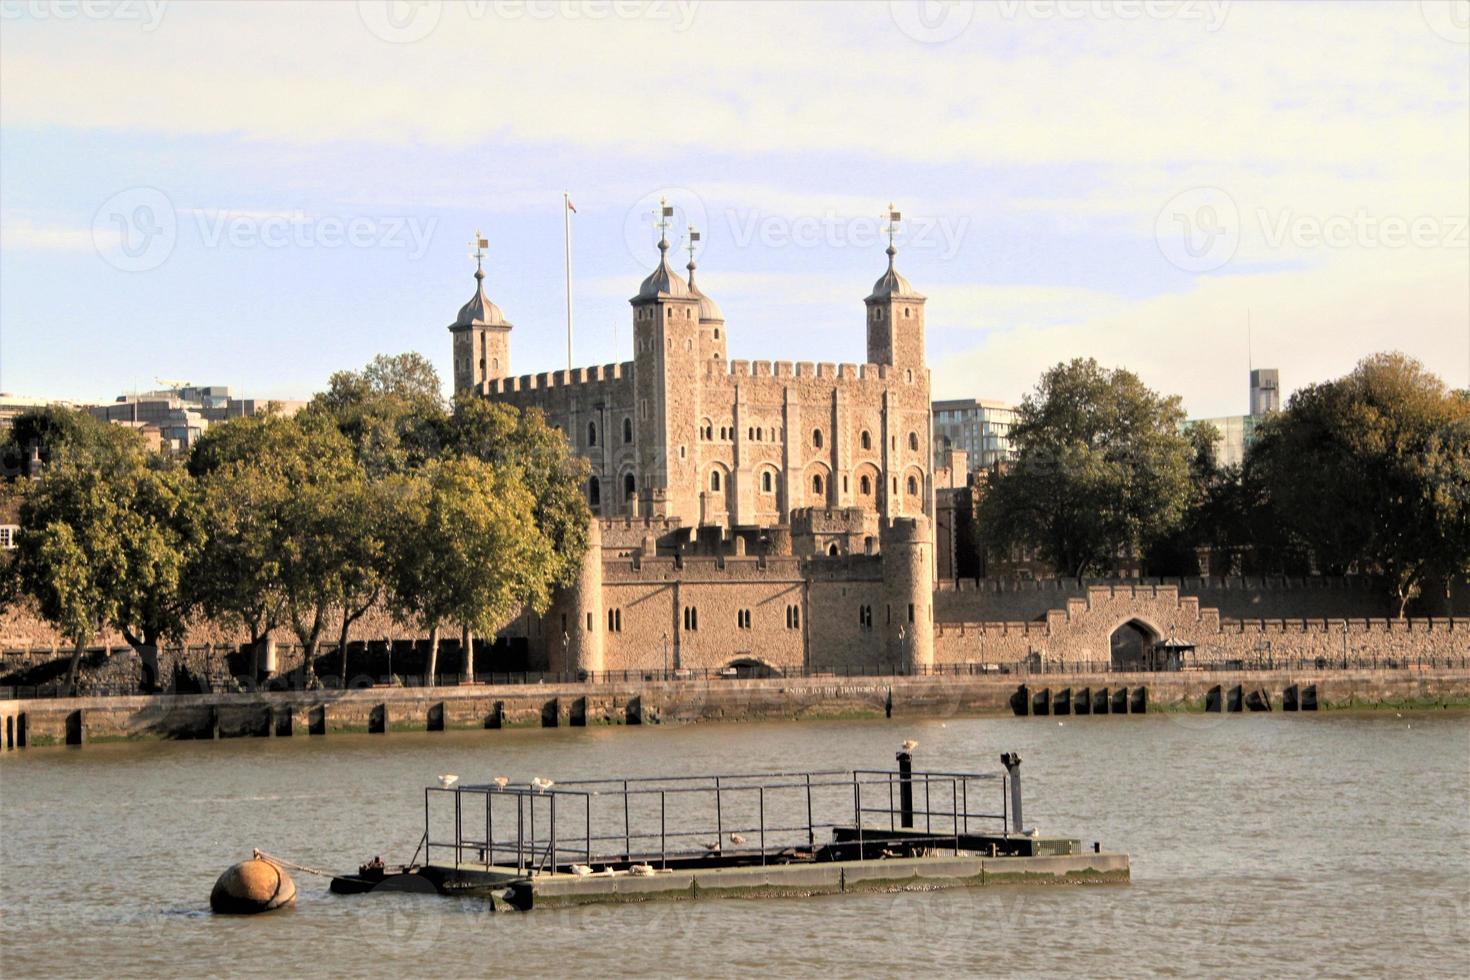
385,710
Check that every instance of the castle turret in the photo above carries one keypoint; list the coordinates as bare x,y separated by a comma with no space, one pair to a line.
666,356
908,586
712,346
896,317
584,646
481,335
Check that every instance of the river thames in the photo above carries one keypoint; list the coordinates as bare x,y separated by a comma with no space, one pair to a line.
1337,843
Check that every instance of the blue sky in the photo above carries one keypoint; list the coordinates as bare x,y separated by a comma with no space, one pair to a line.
258,195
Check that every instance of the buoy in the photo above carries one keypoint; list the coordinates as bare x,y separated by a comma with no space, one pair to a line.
252,886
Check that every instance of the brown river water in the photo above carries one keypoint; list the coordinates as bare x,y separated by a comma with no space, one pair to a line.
1261,844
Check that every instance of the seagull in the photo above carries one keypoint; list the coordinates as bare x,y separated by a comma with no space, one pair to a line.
737,838
541,785
910,745
500,782
581,870
448,779
642,869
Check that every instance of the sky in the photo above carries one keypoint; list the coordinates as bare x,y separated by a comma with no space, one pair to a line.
258,195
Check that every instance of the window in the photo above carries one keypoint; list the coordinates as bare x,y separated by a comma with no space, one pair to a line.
816,438
630,486
866,440
717,333
832,549
865,486
691,618
793,617
865,617
844,483
911,612
614,620
913,486
589,622
591,433
742,619
594,492
766,482
7,536
714,481
750,433
817,484
913,442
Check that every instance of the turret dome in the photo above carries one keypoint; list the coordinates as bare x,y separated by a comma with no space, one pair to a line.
479,311
891,283
663,282
709,310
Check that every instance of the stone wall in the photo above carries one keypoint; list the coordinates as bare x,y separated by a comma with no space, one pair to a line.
1010,600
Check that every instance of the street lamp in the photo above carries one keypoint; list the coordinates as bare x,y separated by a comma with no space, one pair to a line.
666,655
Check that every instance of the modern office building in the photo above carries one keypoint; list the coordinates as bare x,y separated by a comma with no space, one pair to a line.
980,428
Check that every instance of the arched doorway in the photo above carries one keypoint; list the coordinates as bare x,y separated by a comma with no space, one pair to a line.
1132,643
751,667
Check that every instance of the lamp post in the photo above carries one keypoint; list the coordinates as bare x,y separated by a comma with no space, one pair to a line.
666,655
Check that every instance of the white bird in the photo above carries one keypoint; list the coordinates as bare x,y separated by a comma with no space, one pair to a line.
910,745
541,785
642,869
737,838
500,782
448,779
581,870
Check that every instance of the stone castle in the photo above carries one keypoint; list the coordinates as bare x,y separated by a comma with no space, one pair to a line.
754,513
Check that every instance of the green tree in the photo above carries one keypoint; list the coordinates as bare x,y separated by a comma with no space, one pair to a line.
106,539
392,412
54,431
1102,471
463,550
1371,473
1177,552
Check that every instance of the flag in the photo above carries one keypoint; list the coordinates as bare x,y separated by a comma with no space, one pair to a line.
693,235
570,206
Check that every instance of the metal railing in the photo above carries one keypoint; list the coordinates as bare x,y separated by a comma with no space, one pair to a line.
764,817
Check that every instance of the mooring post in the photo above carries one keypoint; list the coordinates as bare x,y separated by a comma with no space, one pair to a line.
1012,762
905,790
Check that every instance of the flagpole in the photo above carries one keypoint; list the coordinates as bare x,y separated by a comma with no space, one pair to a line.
566,218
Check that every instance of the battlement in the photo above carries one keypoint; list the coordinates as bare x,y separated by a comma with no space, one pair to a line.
1234,583
595,375
740,370
702,570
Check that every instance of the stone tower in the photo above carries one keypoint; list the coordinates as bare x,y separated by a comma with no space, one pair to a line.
584,646
666,358
481,336
712,341
896,317
908,587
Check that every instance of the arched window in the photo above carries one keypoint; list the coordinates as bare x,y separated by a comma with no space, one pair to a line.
758,434
913,486
714,481
865,486
866,440
817,438
627,431
766,482
591,433
832,549
914,441
817,484
630,486
594,492
750,433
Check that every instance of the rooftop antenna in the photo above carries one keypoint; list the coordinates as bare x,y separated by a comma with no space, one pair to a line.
567,210
1250,363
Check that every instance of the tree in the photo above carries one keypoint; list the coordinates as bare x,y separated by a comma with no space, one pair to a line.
392,412
1102,471
1177,552
464,551
106,539
54,431
1371,473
